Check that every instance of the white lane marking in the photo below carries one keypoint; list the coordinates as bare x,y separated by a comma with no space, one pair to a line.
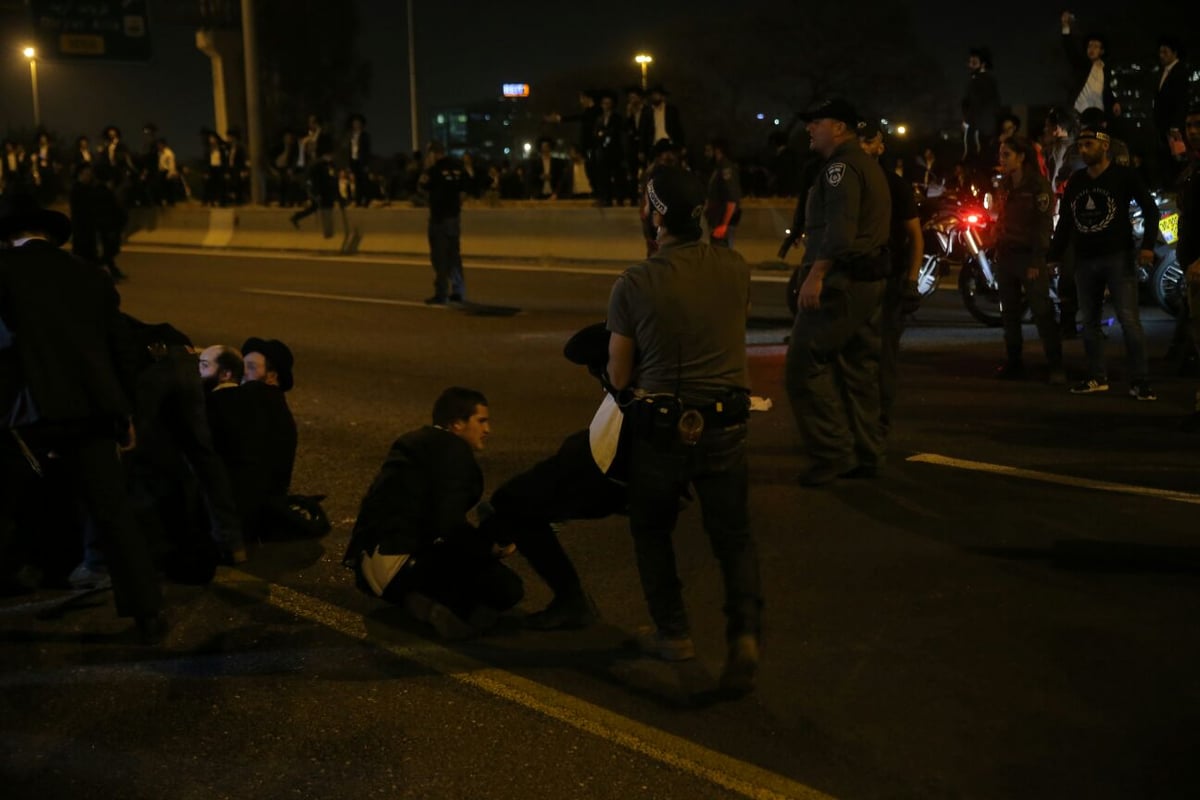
284,255
673,751
1062,480
379,301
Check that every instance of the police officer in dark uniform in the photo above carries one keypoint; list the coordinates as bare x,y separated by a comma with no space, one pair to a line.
683,312
444,182
907,248
832,370
1023,236
721,209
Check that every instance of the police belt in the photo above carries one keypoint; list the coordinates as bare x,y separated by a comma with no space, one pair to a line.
665,419
873,266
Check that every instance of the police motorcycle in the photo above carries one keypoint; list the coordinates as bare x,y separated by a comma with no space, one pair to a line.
1164,282
956,231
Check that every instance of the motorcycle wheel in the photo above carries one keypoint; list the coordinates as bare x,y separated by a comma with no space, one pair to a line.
981,299
930,276
1168,285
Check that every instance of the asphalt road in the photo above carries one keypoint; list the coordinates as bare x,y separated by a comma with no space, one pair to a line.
949,630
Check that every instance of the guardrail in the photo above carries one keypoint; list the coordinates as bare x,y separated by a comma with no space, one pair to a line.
543,232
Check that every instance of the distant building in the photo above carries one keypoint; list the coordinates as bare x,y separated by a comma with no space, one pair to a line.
498,129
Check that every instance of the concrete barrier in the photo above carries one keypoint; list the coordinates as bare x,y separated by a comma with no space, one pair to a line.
520,231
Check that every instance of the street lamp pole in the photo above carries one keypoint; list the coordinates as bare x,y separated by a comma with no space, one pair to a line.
412,81
31,54
644,60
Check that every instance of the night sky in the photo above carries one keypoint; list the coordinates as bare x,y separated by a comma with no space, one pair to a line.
467,48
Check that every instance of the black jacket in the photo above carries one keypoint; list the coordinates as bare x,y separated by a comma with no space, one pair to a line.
420,499
68,345
1025,215
1170,101
255,434
674,128
1081,67
1188,187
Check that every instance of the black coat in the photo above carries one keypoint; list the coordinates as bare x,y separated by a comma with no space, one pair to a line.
420,499
1081,67
1170,101
674,128
254,433
69,348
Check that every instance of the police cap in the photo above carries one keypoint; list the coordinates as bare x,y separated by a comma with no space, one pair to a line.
832,108
868,129
679,196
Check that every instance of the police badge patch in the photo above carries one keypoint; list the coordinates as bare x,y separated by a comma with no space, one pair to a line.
1043,201
834,173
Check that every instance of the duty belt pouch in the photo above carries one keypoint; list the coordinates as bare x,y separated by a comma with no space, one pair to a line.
656,420
870,267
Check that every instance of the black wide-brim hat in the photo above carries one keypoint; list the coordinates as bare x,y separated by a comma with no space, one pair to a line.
278,354
589,347
20,213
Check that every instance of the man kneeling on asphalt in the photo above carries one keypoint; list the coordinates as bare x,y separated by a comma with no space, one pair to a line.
412,543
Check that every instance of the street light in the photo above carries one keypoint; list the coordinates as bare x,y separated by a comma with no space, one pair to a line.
901,130
31,54
644,60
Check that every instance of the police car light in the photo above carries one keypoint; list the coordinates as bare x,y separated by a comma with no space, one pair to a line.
760,116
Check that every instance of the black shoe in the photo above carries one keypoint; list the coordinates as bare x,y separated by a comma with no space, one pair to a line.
861,472
456,298
741,665
1010,371
564,614
152,630
435,301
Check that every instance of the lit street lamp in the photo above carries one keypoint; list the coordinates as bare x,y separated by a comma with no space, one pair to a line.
31,54
644,60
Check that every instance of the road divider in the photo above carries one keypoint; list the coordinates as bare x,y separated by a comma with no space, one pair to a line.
551,231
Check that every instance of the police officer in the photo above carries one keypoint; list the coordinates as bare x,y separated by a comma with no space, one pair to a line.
444,181
832,370
683,312
1023,235
724,193
907,247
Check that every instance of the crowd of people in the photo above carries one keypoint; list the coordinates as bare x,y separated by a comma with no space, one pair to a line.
208,442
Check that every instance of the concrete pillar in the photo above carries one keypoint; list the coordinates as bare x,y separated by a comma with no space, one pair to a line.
224,49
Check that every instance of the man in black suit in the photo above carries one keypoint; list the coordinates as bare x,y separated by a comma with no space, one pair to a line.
358,145
545,171
1170,106
66,376
608,154
1092,85
412,543
237,165
661,121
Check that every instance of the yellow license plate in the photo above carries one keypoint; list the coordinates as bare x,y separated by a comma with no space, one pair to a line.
1169,227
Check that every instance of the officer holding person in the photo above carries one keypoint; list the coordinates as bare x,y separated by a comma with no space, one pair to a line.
683,313
832,370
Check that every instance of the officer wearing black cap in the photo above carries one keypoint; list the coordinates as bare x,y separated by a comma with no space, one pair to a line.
683,311
832,370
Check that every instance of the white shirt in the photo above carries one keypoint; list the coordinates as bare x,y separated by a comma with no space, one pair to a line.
166,161
547,189
1166,71
660,123
354,146
579,179
1092,94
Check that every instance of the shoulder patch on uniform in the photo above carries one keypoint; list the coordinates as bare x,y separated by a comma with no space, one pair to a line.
1043,201
727,173
834,173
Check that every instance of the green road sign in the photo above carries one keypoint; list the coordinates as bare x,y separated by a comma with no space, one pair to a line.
114,30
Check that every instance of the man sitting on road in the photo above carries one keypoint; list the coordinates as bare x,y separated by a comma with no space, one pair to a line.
412,543
221,367
253,428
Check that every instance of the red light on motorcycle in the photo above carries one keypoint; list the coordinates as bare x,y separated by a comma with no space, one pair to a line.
973,219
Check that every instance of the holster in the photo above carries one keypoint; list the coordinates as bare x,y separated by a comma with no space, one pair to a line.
869,266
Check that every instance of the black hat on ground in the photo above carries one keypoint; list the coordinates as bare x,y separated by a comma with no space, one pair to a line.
277,354
20,213
679,196
831,108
